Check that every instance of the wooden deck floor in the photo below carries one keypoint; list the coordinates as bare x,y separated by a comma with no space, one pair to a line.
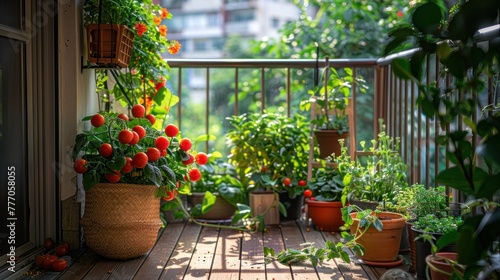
188,251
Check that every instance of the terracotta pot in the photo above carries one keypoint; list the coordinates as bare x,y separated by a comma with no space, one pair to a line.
328,141
325,215
439,268
381,246
221,210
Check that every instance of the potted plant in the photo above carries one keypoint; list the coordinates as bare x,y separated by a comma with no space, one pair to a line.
472,145
429,229
323,199
328,105
216,195
270,153
378,177
127,165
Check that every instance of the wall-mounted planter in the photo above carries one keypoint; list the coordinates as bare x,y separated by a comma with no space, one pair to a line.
109,44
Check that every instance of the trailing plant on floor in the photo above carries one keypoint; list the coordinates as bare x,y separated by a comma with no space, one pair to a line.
331,250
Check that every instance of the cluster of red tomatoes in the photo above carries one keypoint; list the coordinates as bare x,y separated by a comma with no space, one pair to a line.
53,261
140,159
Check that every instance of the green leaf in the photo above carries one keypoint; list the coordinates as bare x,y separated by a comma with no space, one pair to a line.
427,17
282,209
233,195
116,163
455,178
208,202
90,179
490,149
401,68
153,174
80,141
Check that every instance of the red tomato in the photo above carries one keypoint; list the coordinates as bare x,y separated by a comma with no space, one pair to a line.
48,261
140,131
128,165
97,120
113,177
106,150
188,161
170,195
151,118
264,169
48,244
162,143
163,153
125,136
194,175
59,265
185,144
302,183
140,160
135,140
308,193
153,154
171,130
287,181
79,166
123,117
138,111
201,158
61,250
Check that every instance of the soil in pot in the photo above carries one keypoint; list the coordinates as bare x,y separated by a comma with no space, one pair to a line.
423,249
325,215
382,247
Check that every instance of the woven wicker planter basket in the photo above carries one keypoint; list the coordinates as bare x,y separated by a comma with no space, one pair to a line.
121,221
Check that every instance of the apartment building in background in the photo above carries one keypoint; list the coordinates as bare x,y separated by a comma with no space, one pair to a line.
203,26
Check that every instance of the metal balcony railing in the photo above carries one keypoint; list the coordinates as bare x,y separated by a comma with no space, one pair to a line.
388,98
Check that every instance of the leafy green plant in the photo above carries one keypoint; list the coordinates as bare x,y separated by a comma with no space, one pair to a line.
432,224
326,185
333,97
269,151
378,178
404,200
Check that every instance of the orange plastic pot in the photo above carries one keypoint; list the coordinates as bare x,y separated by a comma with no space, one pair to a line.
325,215
381,246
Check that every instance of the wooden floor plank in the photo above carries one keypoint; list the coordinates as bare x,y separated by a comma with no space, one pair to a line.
80,266
252,257
353,270
179,261
327,269
102,269
201,262
158,257
275,270
293,238
226,264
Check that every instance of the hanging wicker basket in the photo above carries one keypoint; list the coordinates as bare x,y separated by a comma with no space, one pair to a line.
109,44
121,221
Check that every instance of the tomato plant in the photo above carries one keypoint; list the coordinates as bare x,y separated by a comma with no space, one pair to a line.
308,193
170,195
48,261
194,174
135,140
302,183
48,244
287,181
61,250
123,117
188,161
128,165
201,158
113,177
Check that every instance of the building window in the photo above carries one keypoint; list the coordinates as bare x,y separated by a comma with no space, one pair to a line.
200,45
275,22
240,16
